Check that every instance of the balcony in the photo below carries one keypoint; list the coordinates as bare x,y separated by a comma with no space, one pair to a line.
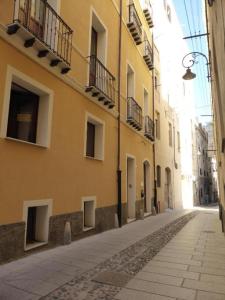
40,27
101,83
148,54
135,25
148,13
149,129
134,114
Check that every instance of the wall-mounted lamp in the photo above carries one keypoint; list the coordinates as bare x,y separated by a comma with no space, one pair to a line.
189,60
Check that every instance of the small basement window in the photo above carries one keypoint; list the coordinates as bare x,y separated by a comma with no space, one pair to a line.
36,226
23,114
94,138
88,214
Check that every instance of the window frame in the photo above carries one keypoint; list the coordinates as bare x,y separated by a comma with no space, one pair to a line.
45,110
99,136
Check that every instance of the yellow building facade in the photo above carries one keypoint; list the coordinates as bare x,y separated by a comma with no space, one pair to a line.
76,111
216,39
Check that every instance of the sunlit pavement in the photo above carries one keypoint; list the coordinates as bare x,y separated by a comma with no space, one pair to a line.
191,265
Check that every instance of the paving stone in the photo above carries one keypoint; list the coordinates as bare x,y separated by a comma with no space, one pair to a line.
175,254
153,277
204,270
162,289
209,258
204,286
8,292
37,287
177,260
168,265
172,272
213,278
209,296
214,264
113,278
127,294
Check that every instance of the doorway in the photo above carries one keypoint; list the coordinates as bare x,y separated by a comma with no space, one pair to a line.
147,187
131,188
168,189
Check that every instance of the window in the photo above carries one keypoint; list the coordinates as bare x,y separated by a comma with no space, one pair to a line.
94,147
36,215
98,38
27,110
90,150
88,213
146,103
157,125
170,135
130,82
23,113
168,12
158,176
178,141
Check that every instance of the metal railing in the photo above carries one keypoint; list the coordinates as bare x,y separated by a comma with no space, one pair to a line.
101,78
148,49
38,17
149,128
134,18
134,112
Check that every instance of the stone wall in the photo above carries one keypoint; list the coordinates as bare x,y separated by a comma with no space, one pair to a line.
57,226
11,241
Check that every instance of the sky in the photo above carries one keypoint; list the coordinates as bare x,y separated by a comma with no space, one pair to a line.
191,16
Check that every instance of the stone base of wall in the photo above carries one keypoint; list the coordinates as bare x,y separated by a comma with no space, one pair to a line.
11,241
222,216
57,226
139,207
12,235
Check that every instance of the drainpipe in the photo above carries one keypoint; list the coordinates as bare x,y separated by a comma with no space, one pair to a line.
153,115
119,171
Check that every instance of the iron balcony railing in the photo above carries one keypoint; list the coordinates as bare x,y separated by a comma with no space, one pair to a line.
148,54
149,128
39,18
134,18
102,79
134,113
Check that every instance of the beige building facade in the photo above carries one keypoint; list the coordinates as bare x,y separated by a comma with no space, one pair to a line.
216,39
76,115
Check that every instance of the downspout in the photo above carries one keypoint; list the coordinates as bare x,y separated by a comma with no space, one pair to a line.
153,115
119,171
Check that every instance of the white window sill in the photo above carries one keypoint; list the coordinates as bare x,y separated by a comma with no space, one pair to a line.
94,158
25,142
88,228
34,245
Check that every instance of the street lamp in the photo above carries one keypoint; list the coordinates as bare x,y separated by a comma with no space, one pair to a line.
189,60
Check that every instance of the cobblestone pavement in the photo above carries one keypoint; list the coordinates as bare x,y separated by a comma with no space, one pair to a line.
129,261
175,255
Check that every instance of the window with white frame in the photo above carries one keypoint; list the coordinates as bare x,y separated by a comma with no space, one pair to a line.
36,216
88,213
27,111
94,147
